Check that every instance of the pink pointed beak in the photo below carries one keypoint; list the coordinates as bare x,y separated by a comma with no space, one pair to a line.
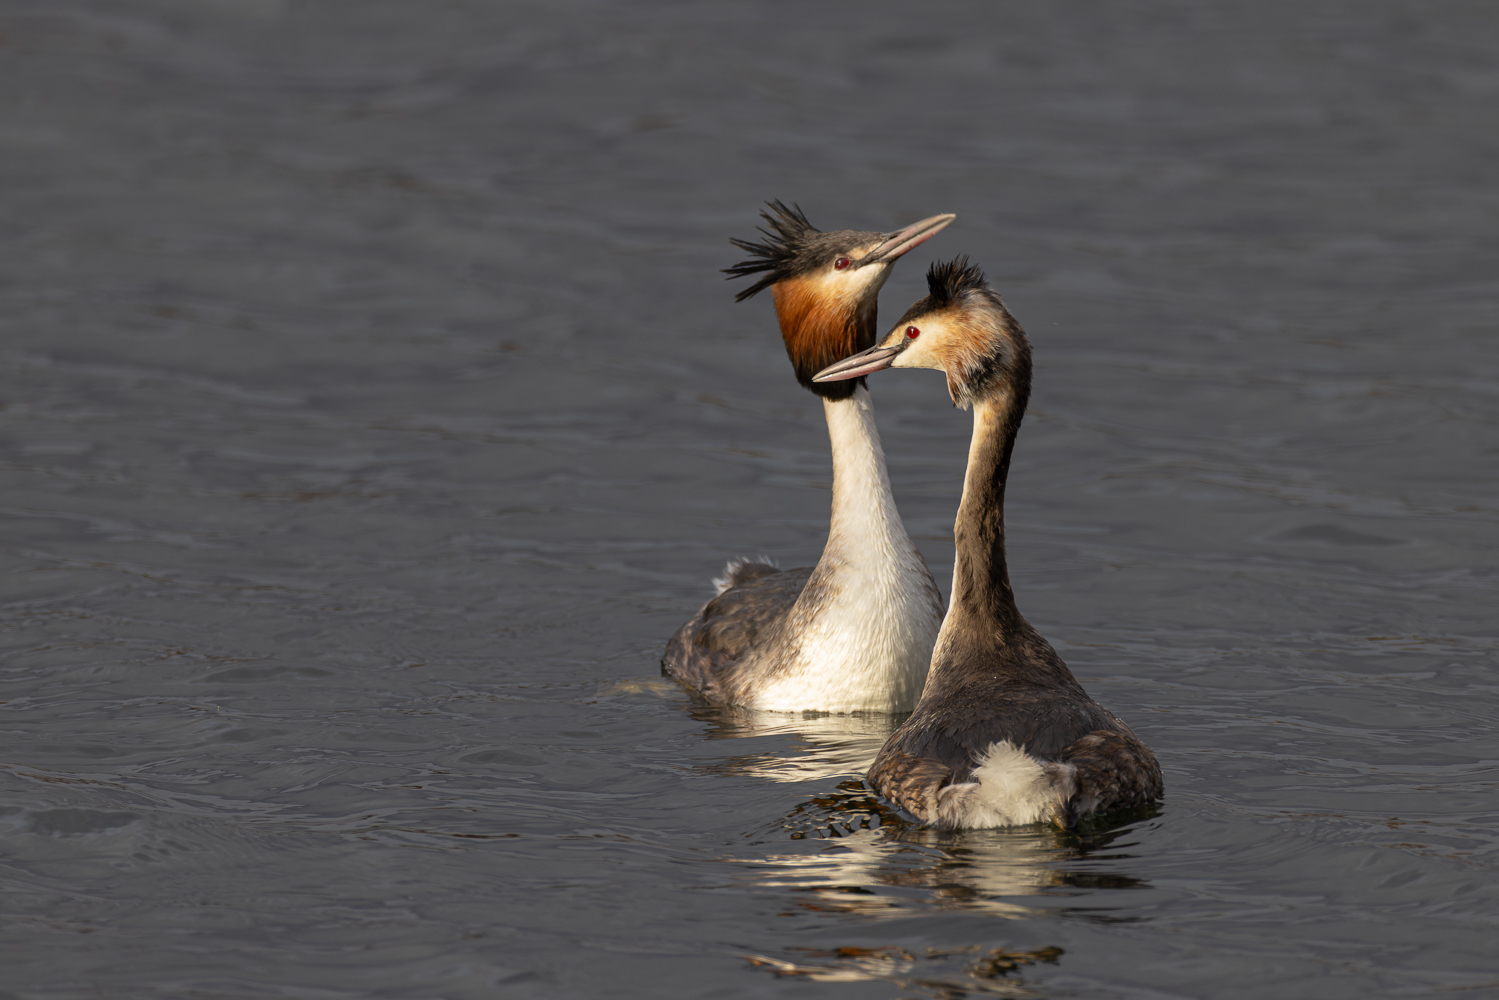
873,360
898,243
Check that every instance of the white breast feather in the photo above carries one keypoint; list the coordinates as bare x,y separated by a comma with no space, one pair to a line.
861,639
867,649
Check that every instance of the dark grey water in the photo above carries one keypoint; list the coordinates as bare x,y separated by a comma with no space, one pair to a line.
373,412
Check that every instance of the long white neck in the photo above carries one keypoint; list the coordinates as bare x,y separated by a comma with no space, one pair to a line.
865,531
860,635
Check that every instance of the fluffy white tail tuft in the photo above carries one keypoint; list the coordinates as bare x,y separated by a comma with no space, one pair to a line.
735,569
1008,788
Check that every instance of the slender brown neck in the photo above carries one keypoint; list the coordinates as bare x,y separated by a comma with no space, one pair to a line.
982,600
984,639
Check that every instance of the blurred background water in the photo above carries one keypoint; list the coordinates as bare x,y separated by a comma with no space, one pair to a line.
373,411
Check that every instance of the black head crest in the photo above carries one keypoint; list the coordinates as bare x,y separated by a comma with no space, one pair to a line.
790,235
948,283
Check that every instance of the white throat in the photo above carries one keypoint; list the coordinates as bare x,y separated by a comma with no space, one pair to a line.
860,636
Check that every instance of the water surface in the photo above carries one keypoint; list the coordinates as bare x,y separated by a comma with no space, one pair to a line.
374,411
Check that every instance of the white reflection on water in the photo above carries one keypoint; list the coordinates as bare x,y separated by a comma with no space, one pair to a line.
824,746
890,870
898,871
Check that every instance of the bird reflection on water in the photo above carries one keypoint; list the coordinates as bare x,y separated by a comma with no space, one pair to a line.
982,970
893,869
825,746
841,853
873,871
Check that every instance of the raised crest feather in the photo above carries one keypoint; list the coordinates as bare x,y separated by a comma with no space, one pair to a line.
948,282
821,321
787,238
991,342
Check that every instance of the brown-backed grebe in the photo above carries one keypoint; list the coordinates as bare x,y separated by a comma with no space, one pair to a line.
1003,734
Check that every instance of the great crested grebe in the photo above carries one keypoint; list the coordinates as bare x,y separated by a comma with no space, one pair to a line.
1003,734
855,632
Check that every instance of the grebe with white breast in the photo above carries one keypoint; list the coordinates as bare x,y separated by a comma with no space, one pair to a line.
1003,734
855,632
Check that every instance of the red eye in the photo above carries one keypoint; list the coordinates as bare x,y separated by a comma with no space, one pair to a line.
841,263
912,332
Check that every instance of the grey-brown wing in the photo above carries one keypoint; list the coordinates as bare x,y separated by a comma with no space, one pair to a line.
940,747
1114,770
959,730
703,653
909,783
